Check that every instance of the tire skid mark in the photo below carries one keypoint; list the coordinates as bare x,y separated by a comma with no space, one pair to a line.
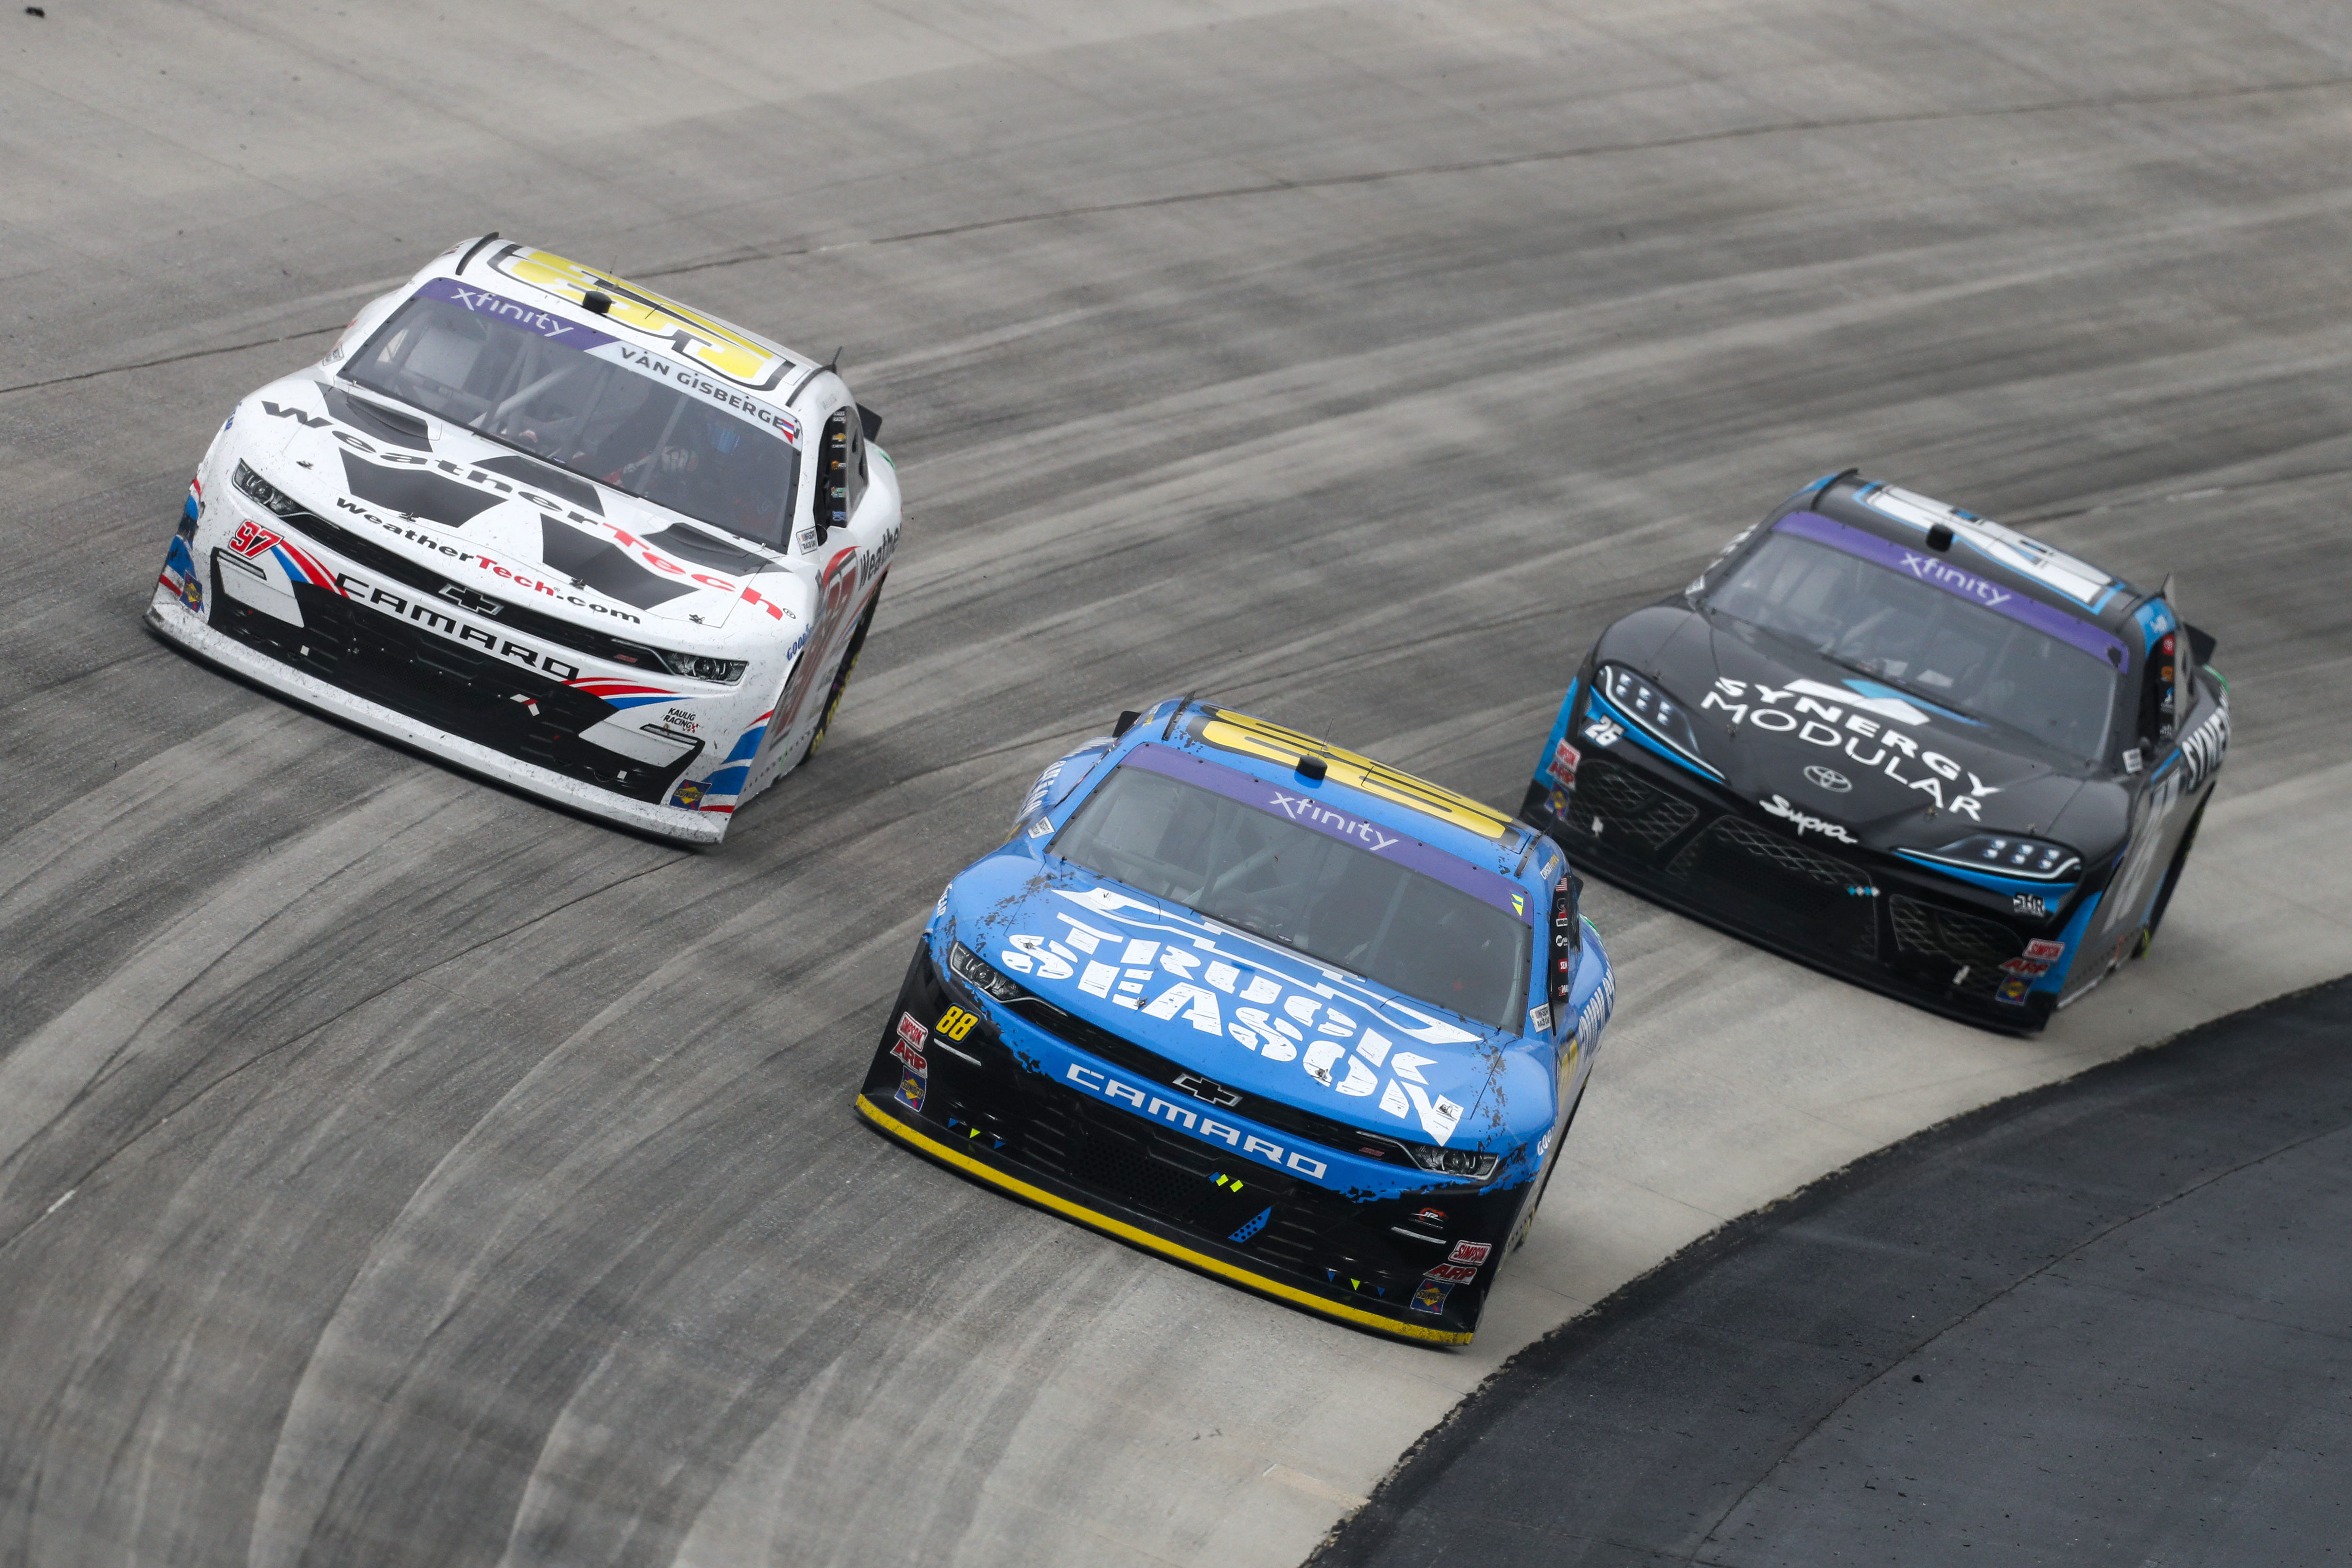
593,1104
53,1065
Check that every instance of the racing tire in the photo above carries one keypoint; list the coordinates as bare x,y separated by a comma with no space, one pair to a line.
1526,1220
841,676
2171,879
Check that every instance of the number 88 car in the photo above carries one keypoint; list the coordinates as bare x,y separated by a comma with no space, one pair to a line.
1264,1008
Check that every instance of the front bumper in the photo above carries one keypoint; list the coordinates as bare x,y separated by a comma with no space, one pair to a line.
987,1106
173,620
1864,916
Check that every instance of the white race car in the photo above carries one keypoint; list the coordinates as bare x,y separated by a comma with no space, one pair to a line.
553,528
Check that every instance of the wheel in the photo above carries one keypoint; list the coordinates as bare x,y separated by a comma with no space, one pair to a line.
1543,1183
841,677
2171,880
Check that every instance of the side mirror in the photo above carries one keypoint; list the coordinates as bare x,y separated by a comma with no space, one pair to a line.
2201,644
1126,722
870,421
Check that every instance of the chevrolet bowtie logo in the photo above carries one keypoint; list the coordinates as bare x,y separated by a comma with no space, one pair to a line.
1201,1089
480,603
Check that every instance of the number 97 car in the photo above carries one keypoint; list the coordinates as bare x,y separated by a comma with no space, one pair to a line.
553,528
1264,1008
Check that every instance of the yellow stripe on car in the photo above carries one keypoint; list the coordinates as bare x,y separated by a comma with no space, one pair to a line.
730,351
1240,732
963,1162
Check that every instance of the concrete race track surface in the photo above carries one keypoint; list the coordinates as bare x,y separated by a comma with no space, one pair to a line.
2103,1324
394,1170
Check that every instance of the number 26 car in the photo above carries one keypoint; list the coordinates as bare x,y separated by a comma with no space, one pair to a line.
551,527
1903,743
1264,1008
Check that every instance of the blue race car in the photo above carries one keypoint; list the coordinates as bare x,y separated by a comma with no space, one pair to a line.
1262,1006
1903,743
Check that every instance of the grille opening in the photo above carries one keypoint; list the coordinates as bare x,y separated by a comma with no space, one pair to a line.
1289,1240
1125,1171
1631,810
477,695
1762,878
1953,939
1172,1178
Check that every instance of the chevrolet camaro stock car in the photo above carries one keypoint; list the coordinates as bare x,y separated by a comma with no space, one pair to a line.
553,528
1901,743
1261,1005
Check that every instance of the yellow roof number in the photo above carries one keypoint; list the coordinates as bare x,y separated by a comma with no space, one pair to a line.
1256,737
711,343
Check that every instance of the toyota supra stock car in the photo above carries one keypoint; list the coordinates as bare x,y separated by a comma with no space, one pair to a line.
1903,743
553,528
1262,1006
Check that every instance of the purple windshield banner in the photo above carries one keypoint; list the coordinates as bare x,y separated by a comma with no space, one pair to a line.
1938,572
1298,804
514,312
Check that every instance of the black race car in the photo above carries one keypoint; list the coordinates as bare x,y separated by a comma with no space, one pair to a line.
1902,743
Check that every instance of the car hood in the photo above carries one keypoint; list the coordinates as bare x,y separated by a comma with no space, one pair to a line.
493,517
1839,758
1250,1016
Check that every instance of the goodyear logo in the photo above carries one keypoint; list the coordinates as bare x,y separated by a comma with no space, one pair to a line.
1257,738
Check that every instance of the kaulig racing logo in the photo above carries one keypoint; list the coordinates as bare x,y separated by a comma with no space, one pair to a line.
1860,728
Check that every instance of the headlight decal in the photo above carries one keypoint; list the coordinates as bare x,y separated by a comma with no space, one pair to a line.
2051,893
2006,863
1655,720
2013,854
983,976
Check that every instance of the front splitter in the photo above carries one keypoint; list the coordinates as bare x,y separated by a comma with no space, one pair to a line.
176,623
1070,1204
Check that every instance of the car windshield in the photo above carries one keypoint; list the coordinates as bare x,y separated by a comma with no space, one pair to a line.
593,416
1955,654
1292,885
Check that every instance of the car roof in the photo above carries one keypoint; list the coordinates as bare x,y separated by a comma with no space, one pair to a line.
546,280
1462,827
2001,555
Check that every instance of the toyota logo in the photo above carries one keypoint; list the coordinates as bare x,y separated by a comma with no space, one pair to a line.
1829,779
